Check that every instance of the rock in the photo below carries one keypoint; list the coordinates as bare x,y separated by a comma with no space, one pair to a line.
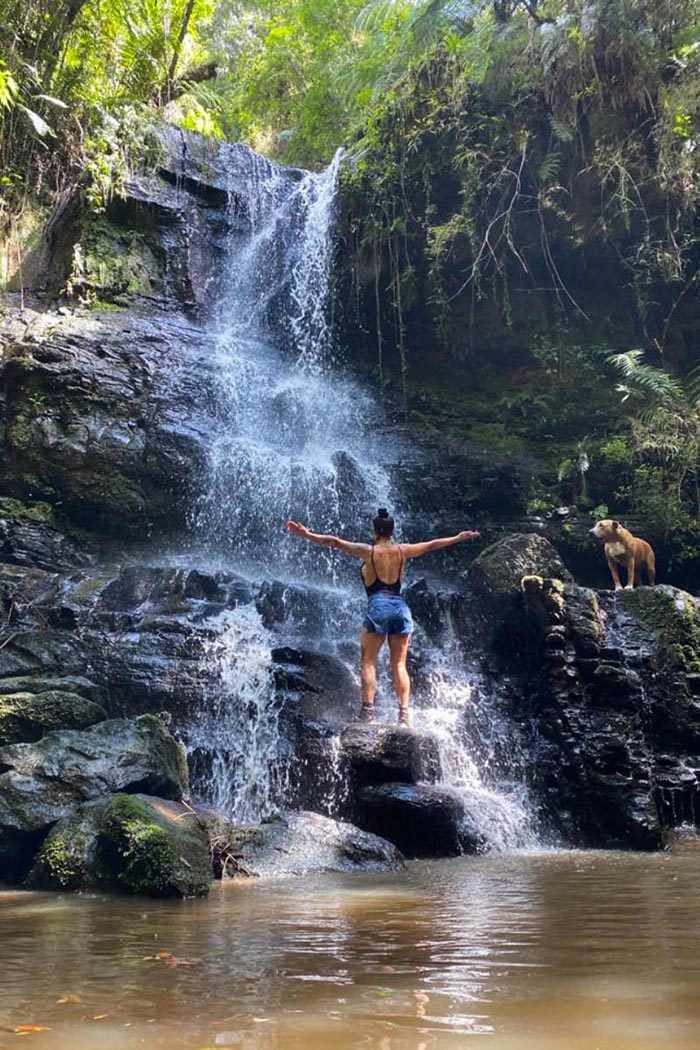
610,684
43,654
497,572
308,843
278,602
107,415
28,537
333,766
375,754
422,820
493,583
318,687
26,717
45,781
38,684
132,843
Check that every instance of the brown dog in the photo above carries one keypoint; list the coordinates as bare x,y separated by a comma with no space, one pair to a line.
622,548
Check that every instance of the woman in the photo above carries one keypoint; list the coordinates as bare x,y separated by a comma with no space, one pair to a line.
388,614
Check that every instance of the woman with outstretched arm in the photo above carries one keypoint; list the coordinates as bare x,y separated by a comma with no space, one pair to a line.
388,615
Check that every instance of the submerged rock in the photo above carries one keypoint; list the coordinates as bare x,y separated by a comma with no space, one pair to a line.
132,843
308,843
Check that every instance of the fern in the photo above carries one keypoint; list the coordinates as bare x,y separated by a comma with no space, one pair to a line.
550,166
646,381
561,130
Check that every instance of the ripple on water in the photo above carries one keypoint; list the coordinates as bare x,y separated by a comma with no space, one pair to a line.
568,951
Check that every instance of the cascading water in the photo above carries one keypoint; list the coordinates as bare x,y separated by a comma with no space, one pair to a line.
296,438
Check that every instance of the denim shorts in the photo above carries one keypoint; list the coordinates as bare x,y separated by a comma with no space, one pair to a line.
388,614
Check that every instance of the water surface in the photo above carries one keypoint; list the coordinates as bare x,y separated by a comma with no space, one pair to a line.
558,951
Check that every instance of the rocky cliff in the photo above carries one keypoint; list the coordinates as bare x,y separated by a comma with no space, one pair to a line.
109,612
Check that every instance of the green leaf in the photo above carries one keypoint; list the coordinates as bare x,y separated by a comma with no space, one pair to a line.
58,102
38,123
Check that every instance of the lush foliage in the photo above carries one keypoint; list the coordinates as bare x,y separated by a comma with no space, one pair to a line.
509,162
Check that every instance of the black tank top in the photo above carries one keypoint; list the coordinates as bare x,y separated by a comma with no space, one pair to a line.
380,586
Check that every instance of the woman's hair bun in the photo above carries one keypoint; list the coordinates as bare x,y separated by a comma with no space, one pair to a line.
382,512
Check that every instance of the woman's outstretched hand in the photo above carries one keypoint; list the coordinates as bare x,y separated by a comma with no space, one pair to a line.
469,534
298,529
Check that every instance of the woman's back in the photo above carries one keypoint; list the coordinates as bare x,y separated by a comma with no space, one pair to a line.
384,563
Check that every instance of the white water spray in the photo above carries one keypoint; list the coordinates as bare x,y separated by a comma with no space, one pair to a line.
296,438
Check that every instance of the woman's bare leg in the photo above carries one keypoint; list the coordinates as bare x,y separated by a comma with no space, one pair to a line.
398,651
370,644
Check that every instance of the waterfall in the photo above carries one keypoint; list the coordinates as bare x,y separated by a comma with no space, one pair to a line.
295,437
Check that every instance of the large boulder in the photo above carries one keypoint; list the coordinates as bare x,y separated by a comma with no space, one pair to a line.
308,843
26,717
132,843
42,782
492,585
423,820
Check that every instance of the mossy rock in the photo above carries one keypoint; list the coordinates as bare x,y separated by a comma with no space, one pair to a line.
113,261
38,512
130,843
26,717
67,859
670,620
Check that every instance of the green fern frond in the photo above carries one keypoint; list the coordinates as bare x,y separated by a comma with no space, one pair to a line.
645,380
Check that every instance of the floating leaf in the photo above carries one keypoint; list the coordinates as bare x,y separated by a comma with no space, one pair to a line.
69,998
173,961
100,1017
25,1029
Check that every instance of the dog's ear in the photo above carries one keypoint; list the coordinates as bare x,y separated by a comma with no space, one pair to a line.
616,526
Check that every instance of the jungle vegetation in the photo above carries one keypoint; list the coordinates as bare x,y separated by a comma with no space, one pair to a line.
521,196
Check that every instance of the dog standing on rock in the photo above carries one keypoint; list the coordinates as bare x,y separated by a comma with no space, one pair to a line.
622,548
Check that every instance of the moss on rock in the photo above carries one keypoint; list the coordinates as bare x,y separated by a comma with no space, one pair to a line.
130,843
672,620
26,716
67,858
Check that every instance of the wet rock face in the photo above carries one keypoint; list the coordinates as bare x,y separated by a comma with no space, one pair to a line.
611,685
308,843
28,538
106,417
